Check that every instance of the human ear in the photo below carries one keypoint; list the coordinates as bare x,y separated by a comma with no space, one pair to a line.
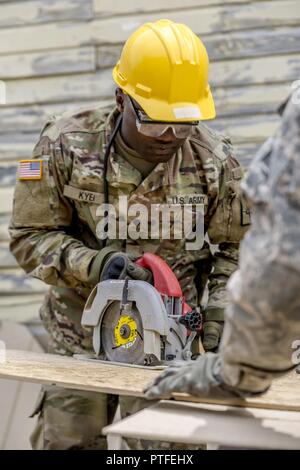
120,98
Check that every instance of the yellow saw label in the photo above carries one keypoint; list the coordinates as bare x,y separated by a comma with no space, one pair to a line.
125,331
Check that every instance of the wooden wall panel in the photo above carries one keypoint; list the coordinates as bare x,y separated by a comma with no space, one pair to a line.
57,55
117,7
18,13
230,45
15,281
60,88
203,21
52,62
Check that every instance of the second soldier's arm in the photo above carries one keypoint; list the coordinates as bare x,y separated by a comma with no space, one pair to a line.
262,329
263,323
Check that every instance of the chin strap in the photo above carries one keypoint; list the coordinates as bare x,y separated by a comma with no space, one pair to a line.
105,165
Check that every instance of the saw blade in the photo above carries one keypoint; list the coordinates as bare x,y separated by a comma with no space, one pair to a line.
122,335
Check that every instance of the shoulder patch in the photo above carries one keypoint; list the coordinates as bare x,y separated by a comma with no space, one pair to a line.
218,144
237,173
30,170
245,213
223,150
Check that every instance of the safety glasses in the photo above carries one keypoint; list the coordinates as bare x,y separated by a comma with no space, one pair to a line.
150,128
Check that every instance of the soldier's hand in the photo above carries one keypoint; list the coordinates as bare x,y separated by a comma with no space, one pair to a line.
212,332
198,378
120,265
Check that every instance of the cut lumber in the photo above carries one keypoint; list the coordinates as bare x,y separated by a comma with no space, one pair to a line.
120,379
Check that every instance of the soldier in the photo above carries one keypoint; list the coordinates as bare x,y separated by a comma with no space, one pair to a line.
151,147
262,320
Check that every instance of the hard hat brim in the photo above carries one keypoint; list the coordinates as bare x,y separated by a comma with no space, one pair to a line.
160,110
178,112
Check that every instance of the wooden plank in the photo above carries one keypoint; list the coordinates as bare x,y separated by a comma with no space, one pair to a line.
251,99
247,128
15,151
119,7
249,43
15,282
6,199
246,152
15,13
235,45
223,425
4,221
68,372
47,63
46,36
99,376
100,86
211,19
7,260
255,70
16,146
20,308
55,89
8,173
282,395
8,301
117,29
108,55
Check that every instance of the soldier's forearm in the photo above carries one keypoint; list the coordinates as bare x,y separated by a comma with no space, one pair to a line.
224,264
52,256
258,336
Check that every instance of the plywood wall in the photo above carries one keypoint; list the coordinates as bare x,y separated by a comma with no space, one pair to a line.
58,54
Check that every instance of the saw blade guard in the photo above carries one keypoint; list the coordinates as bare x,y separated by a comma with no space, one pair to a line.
148,303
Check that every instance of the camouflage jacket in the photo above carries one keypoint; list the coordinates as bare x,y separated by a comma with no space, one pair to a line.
54,222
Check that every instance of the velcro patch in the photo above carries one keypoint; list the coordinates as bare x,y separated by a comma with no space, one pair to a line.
188,199
30,170
83,195
245,214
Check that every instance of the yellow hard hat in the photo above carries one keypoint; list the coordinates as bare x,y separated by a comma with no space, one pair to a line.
164,67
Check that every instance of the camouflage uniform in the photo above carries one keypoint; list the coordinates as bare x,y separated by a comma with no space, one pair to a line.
53,228
265,290
262,319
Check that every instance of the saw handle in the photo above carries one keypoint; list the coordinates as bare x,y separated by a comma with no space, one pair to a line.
164,279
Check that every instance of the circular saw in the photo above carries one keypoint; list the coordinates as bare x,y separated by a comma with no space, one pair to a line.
135,322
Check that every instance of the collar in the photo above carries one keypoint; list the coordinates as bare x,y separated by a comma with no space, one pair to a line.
120,171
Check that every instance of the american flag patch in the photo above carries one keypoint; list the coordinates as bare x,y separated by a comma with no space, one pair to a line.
30,170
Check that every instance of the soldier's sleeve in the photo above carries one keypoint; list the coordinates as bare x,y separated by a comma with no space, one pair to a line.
262,330
40,228
261,337
227,227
